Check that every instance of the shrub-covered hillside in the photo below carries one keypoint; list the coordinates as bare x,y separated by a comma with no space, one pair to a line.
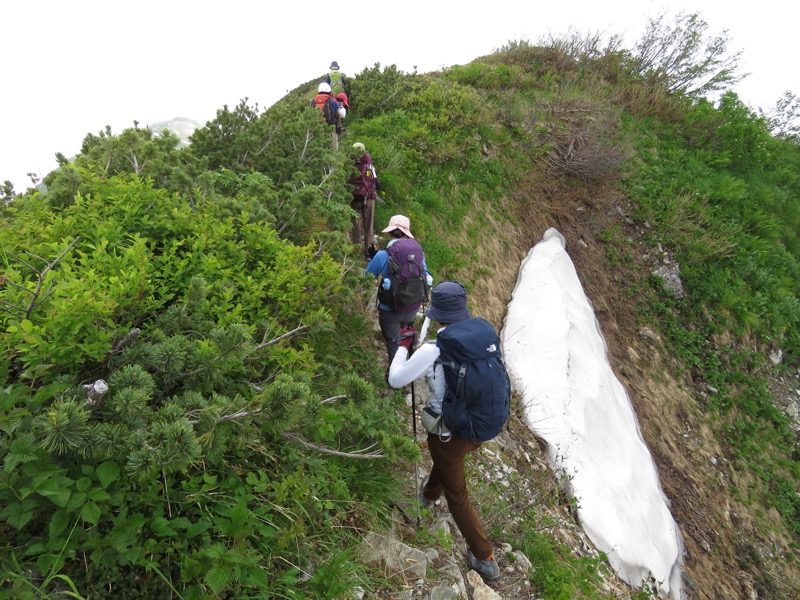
193,403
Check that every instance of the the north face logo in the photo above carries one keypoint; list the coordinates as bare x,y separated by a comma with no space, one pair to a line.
492,348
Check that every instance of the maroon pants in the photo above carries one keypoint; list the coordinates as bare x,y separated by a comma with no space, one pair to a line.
447,475
362,231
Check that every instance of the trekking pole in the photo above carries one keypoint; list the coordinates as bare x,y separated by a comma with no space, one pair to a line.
423,332
414,429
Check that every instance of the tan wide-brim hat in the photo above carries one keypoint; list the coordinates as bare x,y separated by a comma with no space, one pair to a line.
400,222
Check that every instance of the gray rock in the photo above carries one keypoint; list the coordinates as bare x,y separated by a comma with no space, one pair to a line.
670,274
398,558
444,593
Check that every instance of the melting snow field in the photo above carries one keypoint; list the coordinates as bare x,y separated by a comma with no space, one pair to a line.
556,357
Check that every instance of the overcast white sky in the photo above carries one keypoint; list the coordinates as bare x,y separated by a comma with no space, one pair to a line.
71,68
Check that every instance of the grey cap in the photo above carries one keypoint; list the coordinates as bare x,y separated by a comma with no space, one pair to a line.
449,303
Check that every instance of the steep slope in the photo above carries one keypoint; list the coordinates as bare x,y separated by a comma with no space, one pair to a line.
247,441
735,548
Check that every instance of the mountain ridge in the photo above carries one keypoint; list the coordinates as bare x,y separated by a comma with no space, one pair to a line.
248,442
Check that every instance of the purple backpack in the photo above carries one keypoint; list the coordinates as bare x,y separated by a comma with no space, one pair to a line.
409,287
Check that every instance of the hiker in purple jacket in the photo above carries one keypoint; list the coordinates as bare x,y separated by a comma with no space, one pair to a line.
365,191
391,319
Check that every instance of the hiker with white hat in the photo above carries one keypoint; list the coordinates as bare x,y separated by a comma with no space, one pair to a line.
403,281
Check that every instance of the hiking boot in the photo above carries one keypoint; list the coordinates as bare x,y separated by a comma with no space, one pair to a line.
423,501
487,569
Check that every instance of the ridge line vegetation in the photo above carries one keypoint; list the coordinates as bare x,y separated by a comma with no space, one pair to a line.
214,289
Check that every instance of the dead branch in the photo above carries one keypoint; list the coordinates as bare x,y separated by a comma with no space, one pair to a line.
365,453
306,141
286,335
37,297
239,414
126,341
333,399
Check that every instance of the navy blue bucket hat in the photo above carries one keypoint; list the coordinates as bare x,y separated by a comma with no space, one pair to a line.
449,303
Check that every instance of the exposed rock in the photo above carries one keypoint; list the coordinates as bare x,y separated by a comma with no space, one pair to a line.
648,335
444,593
776,356
670,274
481,591
399,559
451,571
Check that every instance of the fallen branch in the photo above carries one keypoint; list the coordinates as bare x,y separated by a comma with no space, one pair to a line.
288,334
333,399
365,453
239,414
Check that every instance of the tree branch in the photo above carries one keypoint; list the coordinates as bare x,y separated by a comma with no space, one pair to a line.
365,453
333,399
126,341
288,334
239,414
35,300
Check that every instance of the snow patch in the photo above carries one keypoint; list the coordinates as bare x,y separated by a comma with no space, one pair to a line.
557,360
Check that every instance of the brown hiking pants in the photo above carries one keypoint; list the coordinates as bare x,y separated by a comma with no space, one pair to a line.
447,475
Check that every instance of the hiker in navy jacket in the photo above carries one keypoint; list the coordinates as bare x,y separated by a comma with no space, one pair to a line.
448,451
365,191
330,109
389,319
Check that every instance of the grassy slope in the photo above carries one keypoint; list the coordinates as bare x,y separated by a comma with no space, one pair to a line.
482,188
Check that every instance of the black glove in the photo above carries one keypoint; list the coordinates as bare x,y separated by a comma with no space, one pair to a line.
371,251
408,334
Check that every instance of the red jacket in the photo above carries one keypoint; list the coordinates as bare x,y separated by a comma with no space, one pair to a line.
328,106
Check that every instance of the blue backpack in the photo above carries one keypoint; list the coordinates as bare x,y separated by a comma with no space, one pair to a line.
478,396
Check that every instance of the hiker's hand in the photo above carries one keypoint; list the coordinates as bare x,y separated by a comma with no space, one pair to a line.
407,336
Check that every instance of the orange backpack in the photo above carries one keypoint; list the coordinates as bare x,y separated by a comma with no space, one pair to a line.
328,106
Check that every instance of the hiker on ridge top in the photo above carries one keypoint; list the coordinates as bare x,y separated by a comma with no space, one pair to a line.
332,111
336,79
365,191
399,296
448,451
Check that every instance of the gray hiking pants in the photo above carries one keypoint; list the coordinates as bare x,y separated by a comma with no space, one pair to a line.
391,322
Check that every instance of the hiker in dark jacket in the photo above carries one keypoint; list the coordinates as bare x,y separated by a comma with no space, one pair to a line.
365,191
448,451
391,320
330,109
